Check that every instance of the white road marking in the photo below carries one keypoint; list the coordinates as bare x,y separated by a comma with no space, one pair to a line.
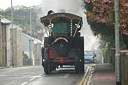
24,83
66,76
34,77
40,74
3,75
31,79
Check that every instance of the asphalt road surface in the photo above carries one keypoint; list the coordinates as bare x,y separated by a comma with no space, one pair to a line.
34,75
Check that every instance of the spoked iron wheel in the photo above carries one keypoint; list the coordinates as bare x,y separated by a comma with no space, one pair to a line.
46,62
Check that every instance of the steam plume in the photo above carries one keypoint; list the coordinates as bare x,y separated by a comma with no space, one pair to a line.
75,7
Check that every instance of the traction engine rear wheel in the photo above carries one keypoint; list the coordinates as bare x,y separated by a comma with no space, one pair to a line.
82,54
46,62
82,66
82,62
77,63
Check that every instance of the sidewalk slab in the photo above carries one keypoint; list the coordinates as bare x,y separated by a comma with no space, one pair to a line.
2,67
103,75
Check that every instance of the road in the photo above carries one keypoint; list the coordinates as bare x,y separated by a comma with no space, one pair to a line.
34,75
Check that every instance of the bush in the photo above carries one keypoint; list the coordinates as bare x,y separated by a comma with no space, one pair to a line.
25,56
104,53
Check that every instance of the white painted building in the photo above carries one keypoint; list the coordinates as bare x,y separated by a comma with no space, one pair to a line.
32,47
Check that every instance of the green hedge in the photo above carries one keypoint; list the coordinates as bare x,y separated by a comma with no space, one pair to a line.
104,53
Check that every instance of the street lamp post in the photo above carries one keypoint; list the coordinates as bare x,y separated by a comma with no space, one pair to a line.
117,43
12,34
30,41
30,51
30,22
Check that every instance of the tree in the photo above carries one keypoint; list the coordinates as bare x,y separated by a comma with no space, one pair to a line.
25,56
0,13
101,12
22,18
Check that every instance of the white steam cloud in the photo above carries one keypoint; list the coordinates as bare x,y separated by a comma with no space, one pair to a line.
76,7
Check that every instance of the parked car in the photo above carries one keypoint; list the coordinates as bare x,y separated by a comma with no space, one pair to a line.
89,56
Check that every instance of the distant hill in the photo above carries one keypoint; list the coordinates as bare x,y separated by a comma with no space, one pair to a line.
22,18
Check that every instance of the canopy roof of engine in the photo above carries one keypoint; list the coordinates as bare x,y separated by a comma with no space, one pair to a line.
56,17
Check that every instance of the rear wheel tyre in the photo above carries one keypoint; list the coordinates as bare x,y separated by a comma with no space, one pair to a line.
82,62
46,63
77,63
82,54
82,66
42,56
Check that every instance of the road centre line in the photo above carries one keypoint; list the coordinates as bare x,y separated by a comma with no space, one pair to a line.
3,75
83,79
86,80
40,74
24,83
67,75
34,77
31,79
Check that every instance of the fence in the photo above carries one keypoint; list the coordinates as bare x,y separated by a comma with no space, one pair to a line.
124,67
124,64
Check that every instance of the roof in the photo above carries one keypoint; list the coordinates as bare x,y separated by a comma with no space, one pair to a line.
74,18
5,21
27,36
16,27
32,38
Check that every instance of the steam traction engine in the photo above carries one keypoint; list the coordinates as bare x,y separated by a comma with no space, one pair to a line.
64,45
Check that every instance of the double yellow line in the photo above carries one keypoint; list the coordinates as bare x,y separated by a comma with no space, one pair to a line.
85,78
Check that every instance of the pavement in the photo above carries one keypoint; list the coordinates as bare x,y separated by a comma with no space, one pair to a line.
103,75
2,68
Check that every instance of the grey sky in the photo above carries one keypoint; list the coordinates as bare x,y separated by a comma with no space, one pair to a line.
7,3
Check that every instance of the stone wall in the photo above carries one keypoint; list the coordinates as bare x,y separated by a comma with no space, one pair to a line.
1,62
19,48
5,58
18,58
37,53
8,45
20,44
